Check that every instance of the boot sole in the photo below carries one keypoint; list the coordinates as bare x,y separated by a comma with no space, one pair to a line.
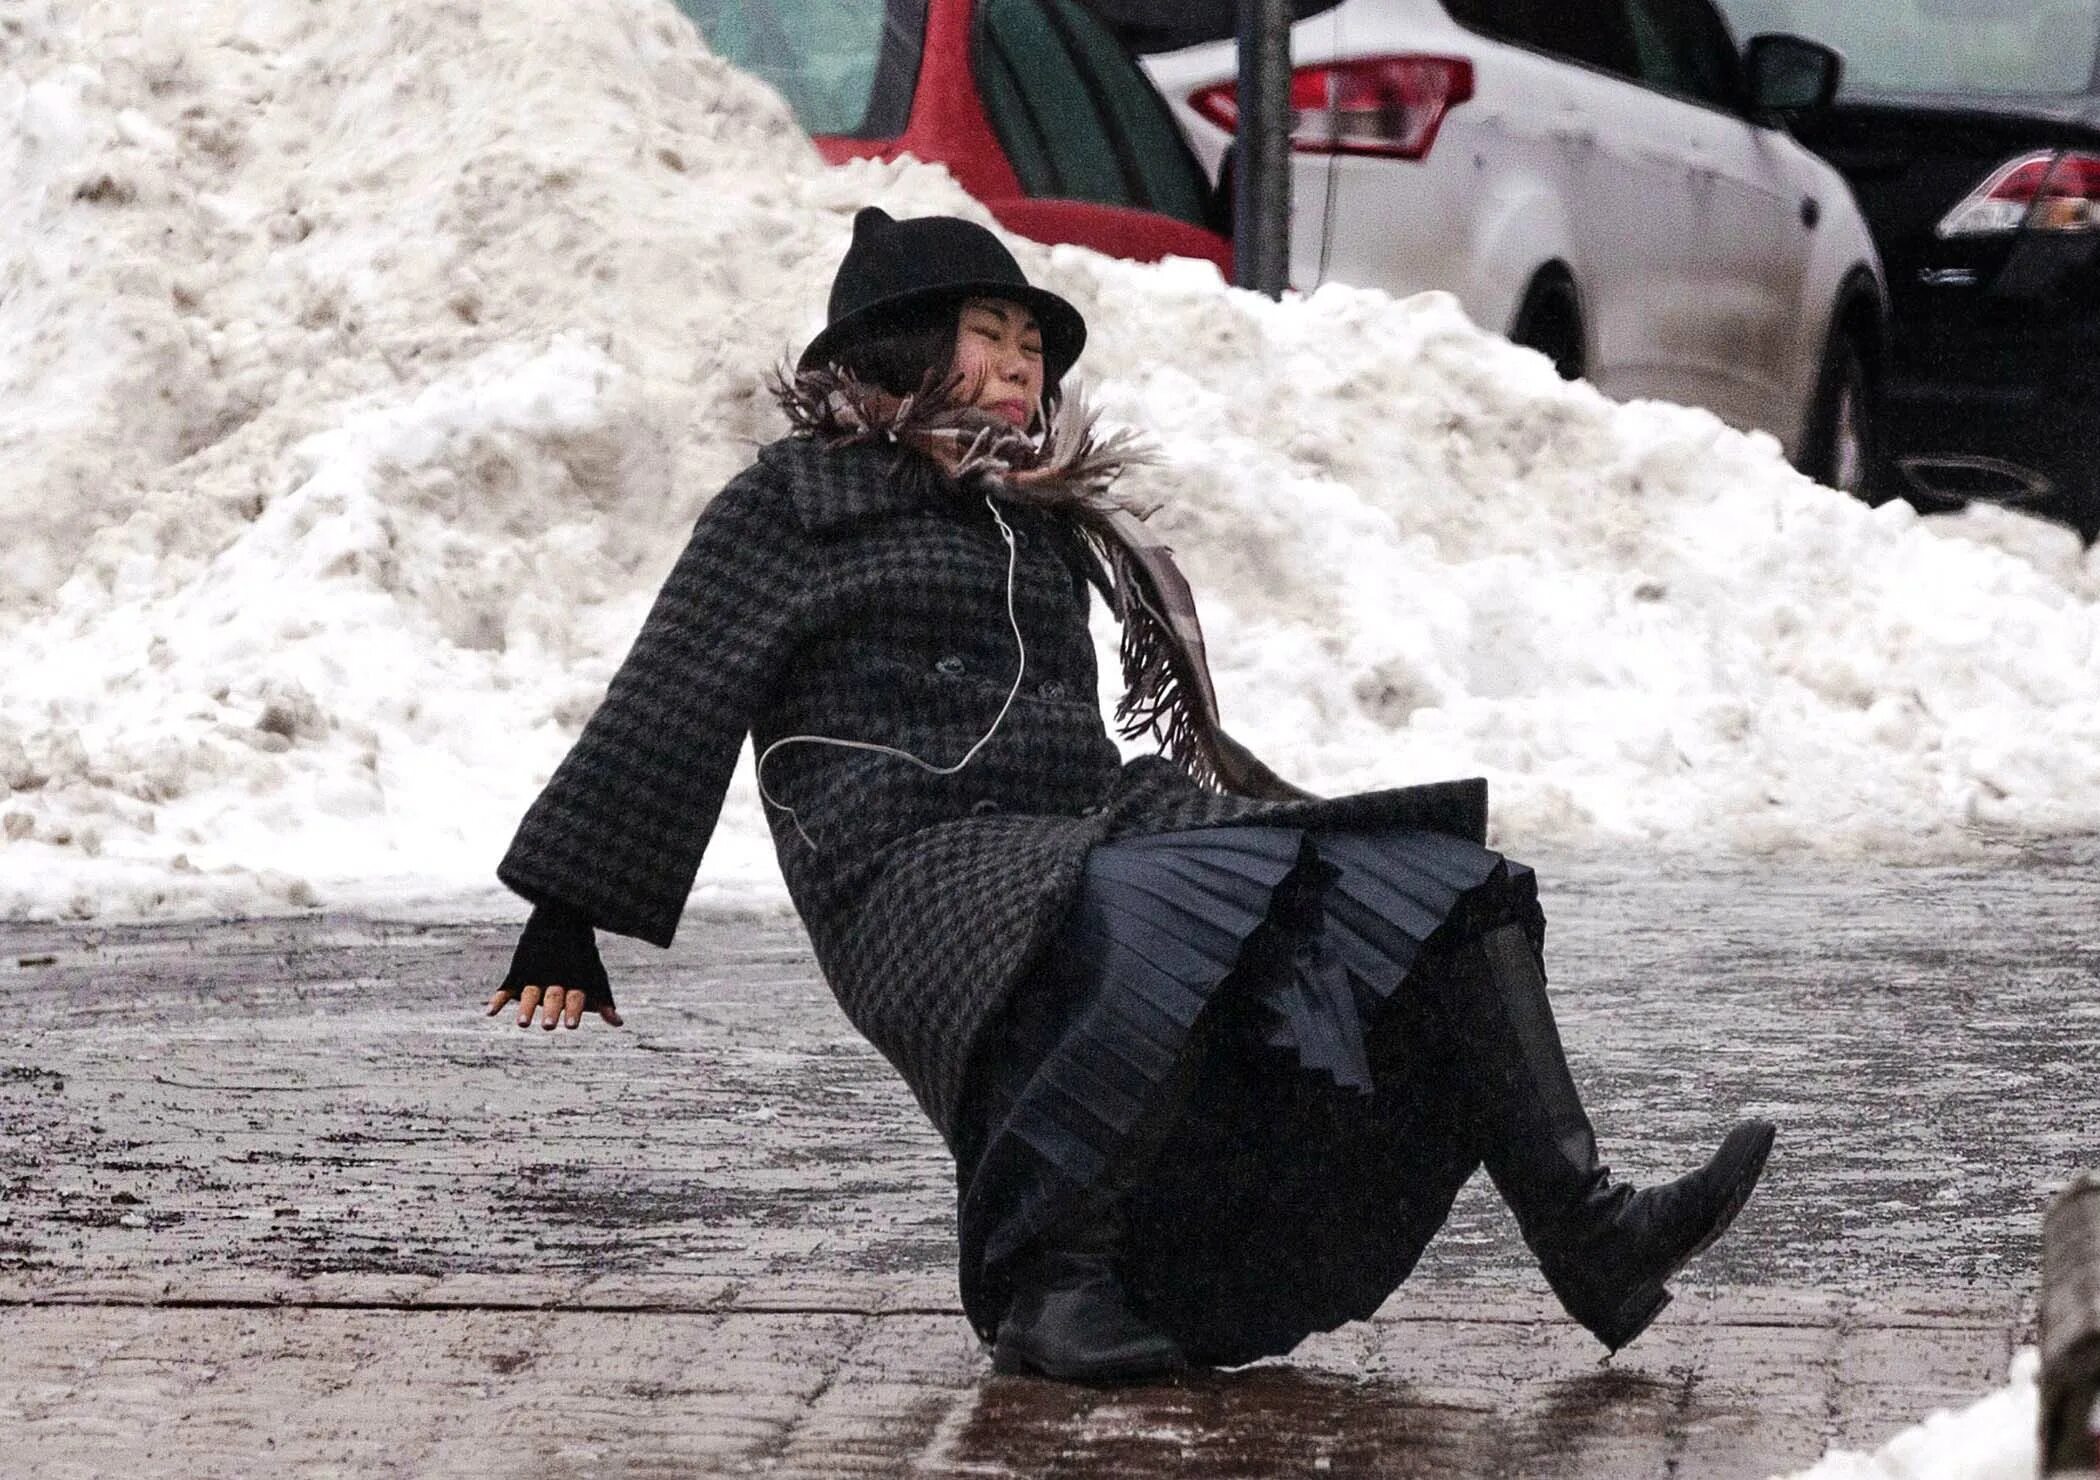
1009,1360
1638,1310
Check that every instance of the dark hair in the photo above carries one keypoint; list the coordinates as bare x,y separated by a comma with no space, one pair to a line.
906,353
909,352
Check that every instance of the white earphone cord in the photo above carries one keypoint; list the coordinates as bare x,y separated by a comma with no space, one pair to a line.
1020,646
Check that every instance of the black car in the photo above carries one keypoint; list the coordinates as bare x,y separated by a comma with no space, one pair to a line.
1970,132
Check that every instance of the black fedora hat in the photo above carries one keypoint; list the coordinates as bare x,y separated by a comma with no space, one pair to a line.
895,267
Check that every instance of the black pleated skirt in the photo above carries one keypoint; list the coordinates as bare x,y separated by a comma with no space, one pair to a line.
1230,1009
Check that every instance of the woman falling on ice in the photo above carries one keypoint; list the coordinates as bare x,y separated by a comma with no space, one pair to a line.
1213,1055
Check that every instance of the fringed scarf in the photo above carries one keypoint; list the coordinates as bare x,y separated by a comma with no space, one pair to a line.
1068,470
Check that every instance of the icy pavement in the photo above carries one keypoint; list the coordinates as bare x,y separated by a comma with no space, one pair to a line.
1991,1439
282,1200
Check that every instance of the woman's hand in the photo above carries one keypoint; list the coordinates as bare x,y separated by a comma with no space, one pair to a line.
554,1006
558,946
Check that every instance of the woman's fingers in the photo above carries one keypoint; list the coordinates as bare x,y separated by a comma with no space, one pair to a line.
552,1007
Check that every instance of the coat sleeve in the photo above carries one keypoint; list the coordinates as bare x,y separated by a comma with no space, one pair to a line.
619,829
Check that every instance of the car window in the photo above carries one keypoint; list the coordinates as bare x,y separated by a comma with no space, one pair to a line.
2012,47
1172,181
846,67
1019,130
1041,107
1589,31
1151,25
1683,47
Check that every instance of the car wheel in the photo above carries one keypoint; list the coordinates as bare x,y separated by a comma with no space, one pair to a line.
1841,448
1550,322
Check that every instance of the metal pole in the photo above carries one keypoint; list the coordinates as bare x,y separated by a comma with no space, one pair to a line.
1261,184
2070,1330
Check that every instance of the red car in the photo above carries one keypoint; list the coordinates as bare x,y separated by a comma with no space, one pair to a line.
1033,106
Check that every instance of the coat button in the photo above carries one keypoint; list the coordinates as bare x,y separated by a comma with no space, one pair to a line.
1050,688
951,665
984,807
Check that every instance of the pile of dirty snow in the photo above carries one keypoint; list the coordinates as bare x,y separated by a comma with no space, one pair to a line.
362,367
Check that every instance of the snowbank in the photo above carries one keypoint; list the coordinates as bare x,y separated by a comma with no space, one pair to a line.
363,365
1994,1438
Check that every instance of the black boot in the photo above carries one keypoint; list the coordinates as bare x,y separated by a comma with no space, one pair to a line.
1071,1319
1606,1250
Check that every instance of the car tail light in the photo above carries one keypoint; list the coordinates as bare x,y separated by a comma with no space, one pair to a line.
2045,191
1390,106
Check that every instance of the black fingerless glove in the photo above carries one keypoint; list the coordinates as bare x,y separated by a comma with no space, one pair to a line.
559,949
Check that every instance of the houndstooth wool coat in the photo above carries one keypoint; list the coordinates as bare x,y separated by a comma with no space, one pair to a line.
858,593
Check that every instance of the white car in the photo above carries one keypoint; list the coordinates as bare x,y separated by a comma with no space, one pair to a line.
1607,181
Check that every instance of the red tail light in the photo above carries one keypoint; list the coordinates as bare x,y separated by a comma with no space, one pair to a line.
2044,191
1391,106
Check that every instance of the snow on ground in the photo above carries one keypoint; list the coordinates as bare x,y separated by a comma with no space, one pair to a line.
362,367
1994,1438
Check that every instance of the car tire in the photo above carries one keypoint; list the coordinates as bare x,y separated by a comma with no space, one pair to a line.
1842,450
1550,321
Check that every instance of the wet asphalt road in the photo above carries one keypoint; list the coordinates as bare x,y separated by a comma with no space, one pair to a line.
242,1152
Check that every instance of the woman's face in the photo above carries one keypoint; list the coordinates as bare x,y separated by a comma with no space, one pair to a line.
999,356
